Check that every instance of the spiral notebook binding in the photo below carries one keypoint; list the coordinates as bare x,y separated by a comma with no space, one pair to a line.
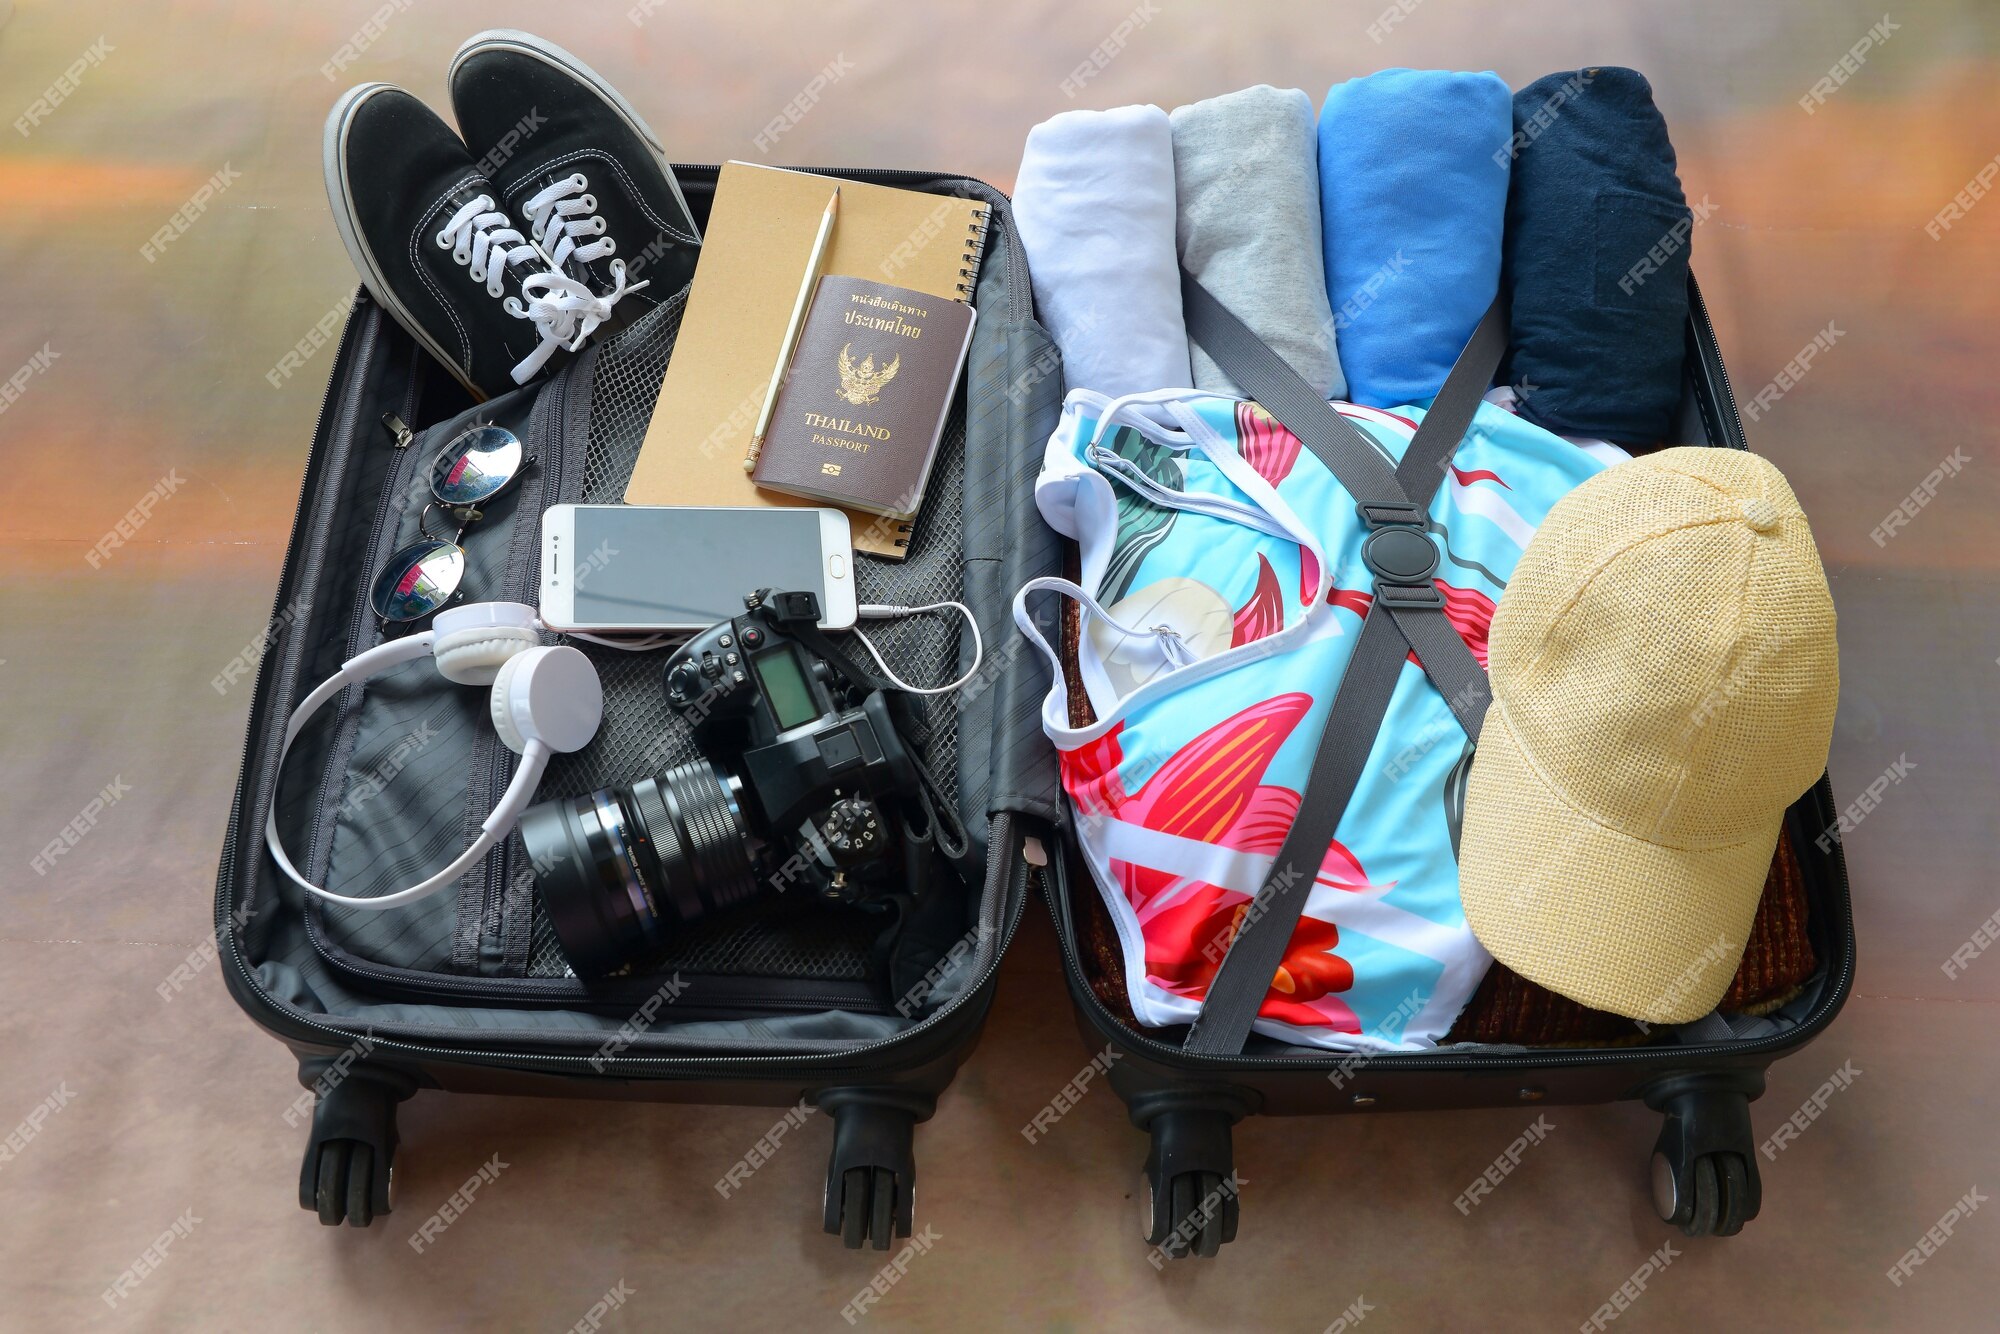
975,249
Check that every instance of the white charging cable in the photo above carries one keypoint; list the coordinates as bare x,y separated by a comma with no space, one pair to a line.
641,644
871,610
876,611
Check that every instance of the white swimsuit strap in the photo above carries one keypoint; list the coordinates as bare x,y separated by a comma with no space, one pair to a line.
1121,469
1268,513
1129,410
1228,459
1172,646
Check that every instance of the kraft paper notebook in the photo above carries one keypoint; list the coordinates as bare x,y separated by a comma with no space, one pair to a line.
758,239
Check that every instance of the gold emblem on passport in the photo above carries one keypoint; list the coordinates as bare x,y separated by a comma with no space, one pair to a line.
862,384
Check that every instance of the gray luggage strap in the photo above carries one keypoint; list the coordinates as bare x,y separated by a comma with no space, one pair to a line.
1406,615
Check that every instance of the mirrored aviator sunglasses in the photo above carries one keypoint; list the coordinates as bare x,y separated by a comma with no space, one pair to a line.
474,466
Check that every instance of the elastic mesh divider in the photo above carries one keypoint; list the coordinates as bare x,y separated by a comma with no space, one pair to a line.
780,935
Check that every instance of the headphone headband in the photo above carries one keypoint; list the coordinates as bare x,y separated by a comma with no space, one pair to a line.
544,699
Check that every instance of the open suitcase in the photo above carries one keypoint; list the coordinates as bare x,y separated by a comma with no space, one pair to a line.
1704,1165
778,1002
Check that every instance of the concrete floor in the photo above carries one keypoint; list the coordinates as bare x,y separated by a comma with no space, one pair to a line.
171,1115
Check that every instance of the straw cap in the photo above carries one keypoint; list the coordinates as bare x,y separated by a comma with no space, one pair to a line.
1664,680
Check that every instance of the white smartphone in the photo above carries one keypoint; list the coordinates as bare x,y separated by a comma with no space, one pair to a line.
671,567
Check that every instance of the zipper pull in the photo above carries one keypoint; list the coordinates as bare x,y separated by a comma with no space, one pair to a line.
397,427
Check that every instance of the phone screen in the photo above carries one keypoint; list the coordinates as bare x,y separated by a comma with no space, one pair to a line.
639,567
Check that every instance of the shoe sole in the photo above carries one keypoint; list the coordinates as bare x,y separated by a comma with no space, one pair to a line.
339,194
526,43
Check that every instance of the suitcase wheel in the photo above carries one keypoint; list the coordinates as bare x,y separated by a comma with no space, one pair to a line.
350,1157
1705,1179
871,1178
1713,1199
1188,1198
345,1181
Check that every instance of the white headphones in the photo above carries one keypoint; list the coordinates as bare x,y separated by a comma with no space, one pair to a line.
544,700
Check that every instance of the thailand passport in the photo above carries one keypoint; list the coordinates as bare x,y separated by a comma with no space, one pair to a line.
865,399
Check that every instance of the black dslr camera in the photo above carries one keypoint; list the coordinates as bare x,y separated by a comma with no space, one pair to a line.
804,779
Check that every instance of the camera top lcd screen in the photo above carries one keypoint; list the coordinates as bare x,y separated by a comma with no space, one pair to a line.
783,677
634,566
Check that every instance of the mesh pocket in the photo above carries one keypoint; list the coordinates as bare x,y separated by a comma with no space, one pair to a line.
774,935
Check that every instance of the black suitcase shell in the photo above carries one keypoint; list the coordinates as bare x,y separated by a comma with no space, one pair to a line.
1704,1166
876,1088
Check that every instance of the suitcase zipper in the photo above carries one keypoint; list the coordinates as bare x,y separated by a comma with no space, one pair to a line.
315,547
548,478
1838,984
1711,349
226,878
315,541
1114,1028
561,992
360,617
607,1066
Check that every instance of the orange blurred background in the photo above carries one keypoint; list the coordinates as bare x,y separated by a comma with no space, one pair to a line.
139,368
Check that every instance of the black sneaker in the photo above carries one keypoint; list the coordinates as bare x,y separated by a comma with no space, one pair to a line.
424,227
575,163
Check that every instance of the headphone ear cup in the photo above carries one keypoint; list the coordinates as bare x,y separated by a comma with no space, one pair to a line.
550,695
499,707
474,657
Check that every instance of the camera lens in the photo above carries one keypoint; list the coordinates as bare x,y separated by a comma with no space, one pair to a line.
618,867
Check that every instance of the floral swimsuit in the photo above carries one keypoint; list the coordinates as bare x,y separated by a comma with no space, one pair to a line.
1222,591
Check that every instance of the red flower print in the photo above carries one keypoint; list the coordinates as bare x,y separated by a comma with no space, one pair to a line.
1203,790
1353,599
1477,475
1267,447
1198,935
1471,614
1209,791
1469,611
1264,613
1090,774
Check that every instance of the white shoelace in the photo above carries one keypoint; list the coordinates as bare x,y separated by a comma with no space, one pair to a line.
560,215
563,310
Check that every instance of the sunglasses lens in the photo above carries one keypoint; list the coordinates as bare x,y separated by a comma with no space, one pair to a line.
418,580
475,465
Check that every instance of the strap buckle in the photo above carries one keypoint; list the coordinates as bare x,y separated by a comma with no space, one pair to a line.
1383,513
1399,553
1409,596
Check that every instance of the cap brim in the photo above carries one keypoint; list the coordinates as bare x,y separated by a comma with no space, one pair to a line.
1606,919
